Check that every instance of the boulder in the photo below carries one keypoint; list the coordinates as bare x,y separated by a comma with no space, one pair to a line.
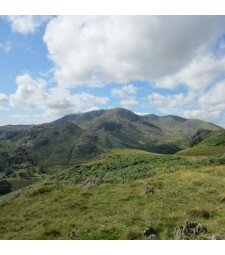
189,228
150,190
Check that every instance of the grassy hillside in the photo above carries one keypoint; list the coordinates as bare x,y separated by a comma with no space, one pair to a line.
212,144
106,199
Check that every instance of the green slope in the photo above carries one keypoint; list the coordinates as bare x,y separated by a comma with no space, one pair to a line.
106,199
212,144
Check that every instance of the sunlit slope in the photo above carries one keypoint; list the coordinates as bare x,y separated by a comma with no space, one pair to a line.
212,144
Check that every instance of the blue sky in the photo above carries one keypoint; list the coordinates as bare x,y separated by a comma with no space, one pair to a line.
52,66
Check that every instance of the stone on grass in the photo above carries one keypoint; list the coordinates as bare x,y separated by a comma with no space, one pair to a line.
150,190
215,237
153,237
189,229
149,231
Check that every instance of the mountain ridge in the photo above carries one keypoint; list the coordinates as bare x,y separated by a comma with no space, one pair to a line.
76,138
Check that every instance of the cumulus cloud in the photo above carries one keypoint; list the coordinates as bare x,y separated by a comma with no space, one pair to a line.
124,91
32,94
26,24
96,50
201,72
126,94
183,54
3,98
215,96
205,114
128,102
170,100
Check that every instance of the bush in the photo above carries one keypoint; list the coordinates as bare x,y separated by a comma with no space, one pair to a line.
5,187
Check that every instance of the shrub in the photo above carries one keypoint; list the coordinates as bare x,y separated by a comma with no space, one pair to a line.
5,187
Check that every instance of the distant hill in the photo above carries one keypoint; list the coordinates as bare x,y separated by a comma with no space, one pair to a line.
212,144
78,137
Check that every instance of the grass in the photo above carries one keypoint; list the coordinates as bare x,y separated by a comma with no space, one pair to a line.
213,144
64,207
128,165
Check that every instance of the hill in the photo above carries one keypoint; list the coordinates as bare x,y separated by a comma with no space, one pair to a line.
108,198
212,144
79,137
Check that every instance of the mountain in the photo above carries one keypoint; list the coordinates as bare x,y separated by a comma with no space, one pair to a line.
78,137
211,144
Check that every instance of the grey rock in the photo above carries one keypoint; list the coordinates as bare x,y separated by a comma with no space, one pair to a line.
149,231
92,184
178,233
215,237
200,229
150,190
171,169
72,234
189,228
153,237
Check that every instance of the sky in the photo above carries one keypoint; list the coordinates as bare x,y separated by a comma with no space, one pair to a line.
51,66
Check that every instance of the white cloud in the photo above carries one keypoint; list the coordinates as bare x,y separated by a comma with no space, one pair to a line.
170,101
26,24
141,113
32,94
201,72
205,114
95,50
29,94
124,91
215,96
126,94
128,102
3,98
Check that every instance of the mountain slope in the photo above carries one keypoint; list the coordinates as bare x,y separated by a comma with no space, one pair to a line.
212,144
79,137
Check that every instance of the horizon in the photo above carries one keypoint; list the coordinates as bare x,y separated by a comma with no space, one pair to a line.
162,65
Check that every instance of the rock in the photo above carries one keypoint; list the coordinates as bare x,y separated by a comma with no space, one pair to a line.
153,237
215,237
150,190
149,231
200,229
178,233
92,184
72,234
171,169
189,228
190,224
